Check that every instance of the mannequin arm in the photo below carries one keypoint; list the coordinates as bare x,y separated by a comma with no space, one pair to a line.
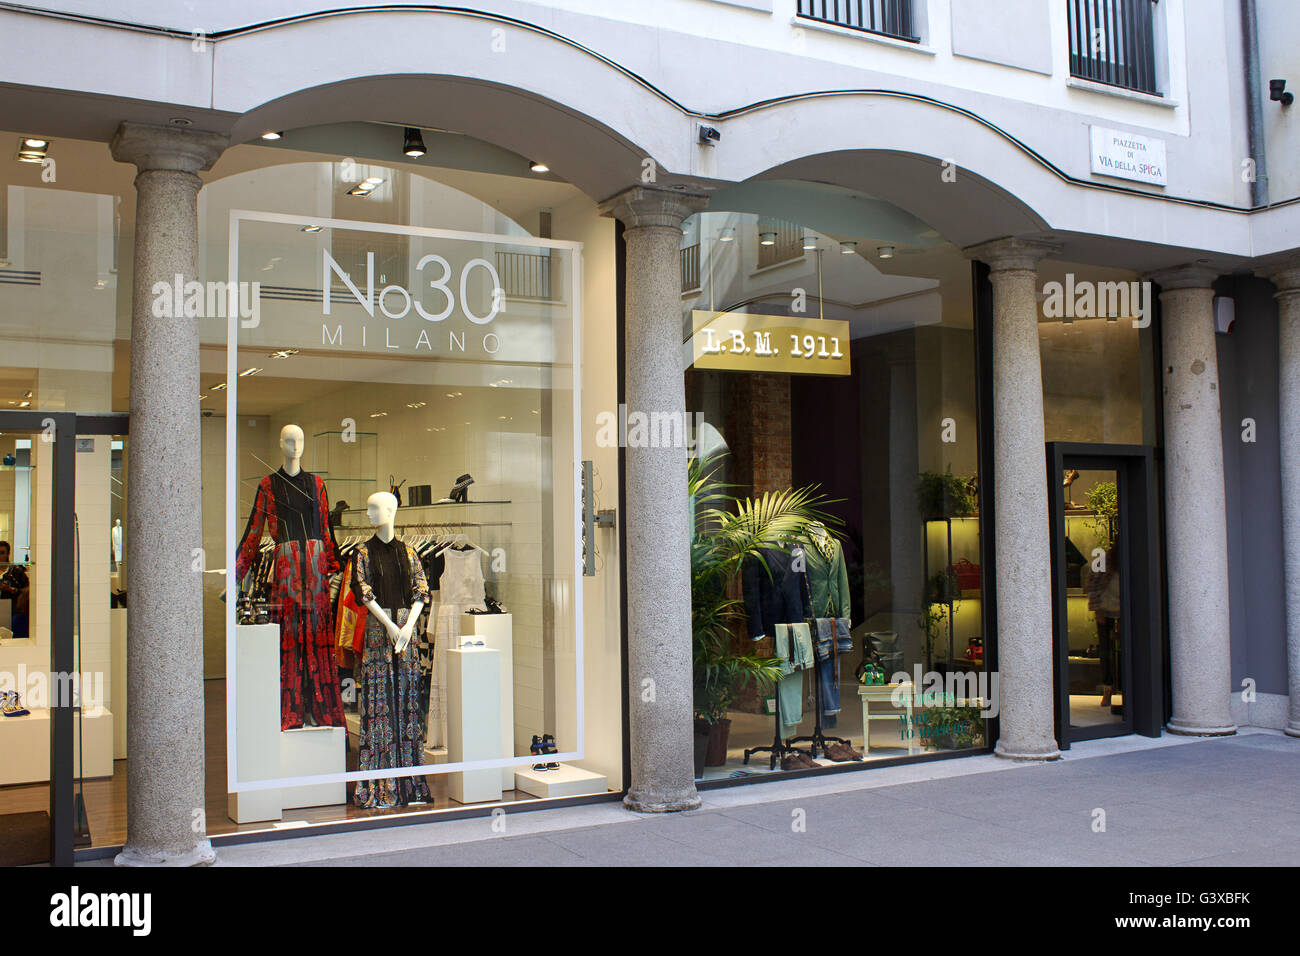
382,617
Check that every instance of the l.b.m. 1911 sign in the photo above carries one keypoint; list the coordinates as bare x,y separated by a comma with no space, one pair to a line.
738,342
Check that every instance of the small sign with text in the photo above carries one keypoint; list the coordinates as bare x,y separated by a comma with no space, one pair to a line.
741,342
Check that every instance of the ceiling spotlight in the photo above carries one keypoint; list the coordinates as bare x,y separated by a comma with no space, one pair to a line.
220,386
272,134
727,234
767,238
848,248
251,370
283,353
413,143
310,229
537,167
32,142
379,414
809,241
885,252
32,149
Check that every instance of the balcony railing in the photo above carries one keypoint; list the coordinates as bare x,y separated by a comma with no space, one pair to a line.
525,275
691,268
786,244
891,18
1113,42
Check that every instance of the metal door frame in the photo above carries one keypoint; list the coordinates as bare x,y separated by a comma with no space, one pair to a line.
1141,656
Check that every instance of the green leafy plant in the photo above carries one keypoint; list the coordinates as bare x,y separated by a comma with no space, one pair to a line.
1103,501
949,728
945,495
728,531
931,622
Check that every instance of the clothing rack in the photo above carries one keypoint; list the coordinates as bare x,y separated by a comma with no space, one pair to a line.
427,525
817,739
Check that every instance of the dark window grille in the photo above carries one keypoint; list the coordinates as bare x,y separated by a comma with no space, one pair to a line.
1114,42
691,268
525,275
891,18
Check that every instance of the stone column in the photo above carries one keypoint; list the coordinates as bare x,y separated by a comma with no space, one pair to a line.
165,756
1021,533
1196,527
657,522
1287,280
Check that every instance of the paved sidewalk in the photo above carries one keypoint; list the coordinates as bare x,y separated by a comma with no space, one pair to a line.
1225,801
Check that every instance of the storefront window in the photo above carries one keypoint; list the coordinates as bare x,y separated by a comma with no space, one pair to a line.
832,356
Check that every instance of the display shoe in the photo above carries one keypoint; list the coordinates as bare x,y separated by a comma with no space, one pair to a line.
11,705
797,760
536,750
548,747
840,752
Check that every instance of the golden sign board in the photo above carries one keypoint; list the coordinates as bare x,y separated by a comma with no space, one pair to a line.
741,342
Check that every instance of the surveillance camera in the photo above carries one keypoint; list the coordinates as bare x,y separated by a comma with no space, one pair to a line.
709,136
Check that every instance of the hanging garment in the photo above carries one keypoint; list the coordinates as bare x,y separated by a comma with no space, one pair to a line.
774,592
460,589
828,578
794,648
294,511
392,734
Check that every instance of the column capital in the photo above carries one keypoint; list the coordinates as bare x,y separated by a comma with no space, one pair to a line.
166,147
653,206
1284,274
1011,254
1183,277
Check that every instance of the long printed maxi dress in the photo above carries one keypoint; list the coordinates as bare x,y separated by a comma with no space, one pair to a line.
294,511
392,731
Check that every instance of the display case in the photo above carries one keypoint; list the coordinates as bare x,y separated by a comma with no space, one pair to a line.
347,461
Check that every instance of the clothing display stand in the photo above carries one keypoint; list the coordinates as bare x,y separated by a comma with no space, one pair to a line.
779,747
817,740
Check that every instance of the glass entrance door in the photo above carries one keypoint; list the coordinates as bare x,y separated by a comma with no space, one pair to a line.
1105,583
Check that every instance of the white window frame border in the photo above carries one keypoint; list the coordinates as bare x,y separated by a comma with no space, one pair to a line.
232,501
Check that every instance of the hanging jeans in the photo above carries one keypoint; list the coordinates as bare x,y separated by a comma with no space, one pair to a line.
794,647
830,630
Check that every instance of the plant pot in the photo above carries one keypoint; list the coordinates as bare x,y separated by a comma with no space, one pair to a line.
716,755
701,747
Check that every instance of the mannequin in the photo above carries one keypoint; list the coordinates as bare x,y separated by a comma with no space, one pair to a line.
116,535
389,581
381,512
292,507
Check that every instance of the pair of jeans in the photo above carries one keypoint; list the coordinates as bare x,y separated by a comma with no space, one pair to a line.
830,630
795,648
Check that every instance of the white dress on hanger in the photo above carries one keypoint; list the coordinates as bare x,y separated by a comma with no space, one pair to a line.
460,589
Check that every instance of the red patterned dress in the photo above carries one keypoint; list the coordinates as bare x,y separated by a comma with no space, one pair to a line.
294,511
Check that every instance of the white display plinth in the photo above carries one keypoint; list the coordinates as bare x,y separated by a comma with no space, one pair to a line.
567,781
25,743
497,632
262,750
308,751
474,721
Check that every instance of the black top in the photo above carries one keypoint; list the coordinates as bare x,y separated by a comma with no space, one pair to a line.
778,597
297,508
390,572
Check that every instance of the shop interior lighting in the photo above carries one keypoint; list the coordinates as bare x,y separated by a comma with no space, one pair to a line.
251,370
537,167
809,242
885,252
728,234
366,186
767,238
413,143
283,353
312,228
271,134
32,149
379,414
848,248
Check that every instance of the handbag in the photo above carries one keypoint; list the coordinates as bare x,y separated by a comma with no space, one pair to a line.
395,489
967,574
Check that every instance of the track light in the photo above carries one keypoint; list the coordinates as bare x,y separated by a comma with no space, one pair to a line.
413,143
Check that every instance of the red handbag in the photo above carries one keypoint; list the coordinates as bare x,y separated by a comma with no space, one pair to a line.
967,574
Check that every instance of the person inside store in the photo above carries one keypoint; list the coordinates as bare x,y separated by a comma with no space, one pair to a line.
1102,589
15,587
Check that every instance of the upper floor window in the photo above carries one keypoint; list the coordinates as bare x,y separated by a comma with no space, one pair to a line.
1113,42
891,18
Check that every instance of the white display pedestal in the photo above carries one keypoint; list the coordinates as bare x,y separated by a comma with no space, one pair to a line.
262,750
497,632
473,721
25,743
567,781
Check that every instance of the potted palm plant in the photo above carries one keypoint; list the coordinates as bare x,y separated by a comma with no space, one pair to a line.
728,531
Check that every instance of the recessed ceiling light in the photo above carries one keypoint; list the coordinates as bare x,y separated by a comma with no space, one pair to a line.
379,414
767,238
33,142
413,143
180,121
272,134
885,252
373,181
537,167
728,234
312,228
251,370
810,242
416,404
283,353
848,248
